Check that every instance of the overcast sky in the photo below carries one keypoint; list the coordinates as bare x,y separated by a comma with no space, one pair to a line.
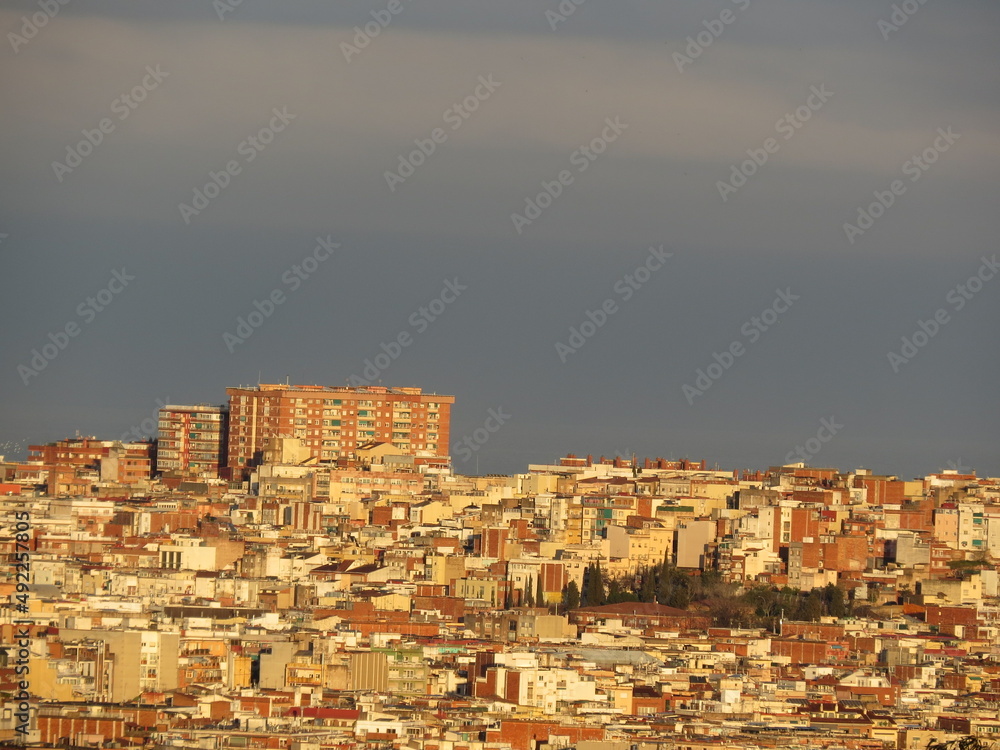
741,136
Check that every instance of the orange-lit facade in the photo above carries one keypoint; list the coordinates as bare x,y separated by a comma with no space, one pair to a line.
74,465
192,440
334,420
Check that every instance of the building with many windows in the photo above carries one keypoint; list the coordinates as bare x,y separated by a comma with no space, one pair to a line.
192,440
334,421
75,466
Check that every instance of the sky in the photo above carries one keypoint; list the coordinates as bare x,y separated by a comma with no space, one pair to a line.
744,231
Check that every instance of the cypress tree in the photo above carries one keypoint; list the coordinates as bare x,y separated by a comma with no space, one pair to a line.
596,594
571,596
647,590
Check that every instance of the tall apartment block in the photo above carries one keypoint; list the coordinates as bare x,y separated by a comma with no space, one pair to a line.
335,420
192,440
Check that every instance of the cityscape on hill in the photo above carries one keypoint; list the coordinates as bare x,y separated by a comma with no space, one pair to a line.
302,567
499,375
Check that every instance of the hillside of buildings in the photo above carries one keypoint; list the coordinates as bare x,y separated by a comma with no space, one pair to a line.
302,568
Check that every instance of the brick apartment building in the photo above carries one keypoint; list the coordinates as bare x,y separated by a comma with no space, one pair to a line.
334,420
192,440
74,465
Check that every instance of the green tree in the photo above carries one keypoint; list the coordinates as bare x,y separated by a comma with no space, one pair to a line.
969,742
674,584
594,593
810,607
835,603
571,596
588,587
729,611
539,592
663,583
905,595
680,598
647,586
710,578
619,591
615,591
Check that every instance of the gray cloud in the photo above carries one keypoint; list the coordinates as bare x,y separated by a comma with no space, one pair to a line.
325,174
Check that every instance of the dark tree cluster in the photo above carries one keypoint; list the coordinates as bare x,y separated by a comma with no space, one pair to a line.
663,584
969,742
728,604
